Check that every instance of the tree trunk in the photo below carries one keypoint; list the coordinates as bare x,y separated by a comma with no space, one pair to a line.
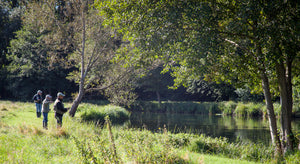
268,99
283,102
271,114
77,101
285,87
83,72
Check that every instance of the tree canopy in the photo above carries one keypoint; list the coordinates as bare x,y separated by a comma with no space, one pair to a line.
240,42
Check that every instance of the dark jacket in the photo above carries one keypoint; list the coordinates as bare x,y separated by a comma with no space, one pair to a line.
37,98
59,107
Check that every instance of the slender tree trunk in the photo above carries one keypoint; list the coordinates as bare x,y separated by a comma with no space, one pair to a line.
83,71
271,114
270,108
77,101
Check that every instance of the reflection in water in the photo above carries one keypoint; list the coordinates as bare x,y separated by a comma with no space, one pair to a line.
255,130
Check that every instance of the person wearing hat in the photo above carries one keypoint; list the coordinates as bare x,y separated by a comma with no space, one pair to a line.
37,98
59,108
46,110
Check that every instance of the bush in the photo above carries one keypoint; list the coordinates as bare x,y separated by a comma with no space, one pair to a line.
249,109
241,110
255,109
227,107
95,113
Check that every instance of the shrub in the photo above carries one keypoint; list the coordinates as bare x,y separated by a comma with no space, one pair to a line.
241,110
227,107
96,114
255,109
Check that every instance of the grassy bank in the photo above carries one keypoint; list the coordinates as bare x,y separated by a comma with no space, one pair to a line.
242,109
22,140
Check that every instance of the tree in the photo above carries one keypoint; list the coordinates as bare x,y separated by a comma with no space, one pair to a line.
77,26
156,82
10,22
220,40
67,38
29,55
210,91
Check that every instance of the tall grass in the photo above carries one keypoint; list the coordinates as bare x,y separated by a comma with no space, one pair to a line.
23,140
97,114
227,108
238,149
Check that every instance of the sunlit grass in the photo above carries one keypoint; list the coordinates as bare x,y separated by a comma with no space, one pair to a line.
23,140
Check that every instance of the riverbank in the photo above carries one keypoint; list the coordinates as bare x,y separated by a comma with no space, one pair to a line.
23,140
232,108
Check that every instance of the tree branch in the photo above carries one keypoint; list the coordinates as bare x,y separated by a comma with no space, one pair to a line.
236,34
109,85
238,46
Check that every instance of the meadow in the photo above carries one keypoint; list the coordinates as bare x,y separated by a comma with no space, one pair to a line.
82,140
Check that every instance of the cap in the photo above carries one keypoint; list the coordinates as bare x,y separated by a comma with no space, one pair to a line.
39,91
60,94
48,96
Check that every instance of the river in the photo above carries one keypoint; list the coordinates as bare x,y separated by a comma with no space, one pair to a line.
233,128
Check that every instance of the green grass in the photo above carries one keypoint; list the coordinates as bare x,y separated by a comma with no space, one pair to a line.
97,114
23,140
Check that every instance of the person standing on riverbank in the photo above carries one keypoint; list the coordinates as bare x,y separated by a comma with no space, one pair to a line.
37,98
59,109
46,110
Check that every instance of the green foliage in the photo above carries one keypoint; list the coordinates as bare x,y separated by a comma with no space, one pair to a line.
31,65
10,22
210,91
97,114
293,158
249,109
228,108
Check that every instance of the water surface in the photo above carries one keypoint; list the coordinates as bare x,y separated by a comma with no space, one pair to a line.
252,129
